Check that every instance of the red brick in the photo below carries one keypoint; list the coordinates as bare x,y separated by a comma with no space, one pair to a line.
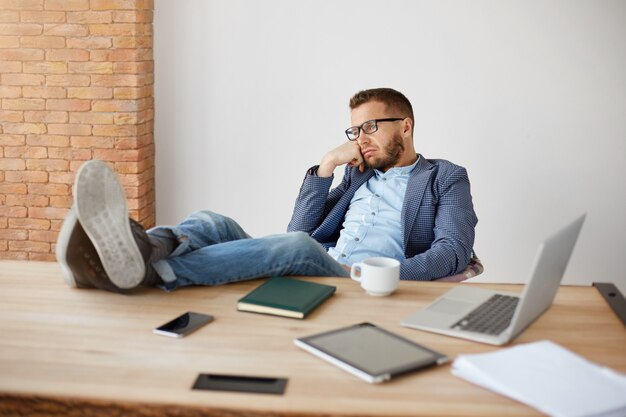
29,224
117,155
68,104
44,92
61,201
120,5
24,128
23,256
131,93
12,140
133,42
23,79
69,154
45,67
42,42
26,152
10,66
46,116
67,55
115,130
42,17
72,5
21,4
26,176
11,116
91,67
9,211
13,234
65,30
47,213
115,105
10,91
91,42
118,80
68,80
90,92
133,67
10,164
23,104
129,54
99,142
43,257
134,167
143,16
48,189
65,177
47,140
20,29
42,235
135,142
92,118
47,165
69,129
89,17
12,188
27,200
29,246
9,41
7,16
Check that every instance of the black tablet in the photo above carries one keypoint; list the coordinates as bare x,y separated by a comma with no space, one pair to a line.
370,352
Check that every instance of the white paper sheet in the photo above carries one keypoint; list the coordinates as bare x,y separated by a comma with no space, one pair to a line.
549,378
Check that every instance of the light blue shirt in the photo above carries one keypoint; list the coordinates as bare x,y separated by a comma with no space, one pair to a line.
373,224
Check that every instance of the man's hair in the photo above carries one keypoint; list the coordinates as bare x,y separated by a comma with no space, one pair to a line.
394,100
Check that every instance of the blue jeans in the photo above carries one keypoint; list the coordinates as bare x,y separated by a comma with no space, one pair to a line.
214,249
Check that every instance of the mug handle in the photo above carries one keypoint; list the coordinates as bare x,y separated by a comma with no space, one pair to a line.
355,271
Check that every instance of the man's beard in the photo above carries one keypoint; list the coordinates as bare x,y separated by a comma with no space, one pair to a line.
391,155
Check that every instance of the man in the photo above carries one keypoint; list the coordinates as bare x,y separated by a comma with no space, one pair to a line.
392,202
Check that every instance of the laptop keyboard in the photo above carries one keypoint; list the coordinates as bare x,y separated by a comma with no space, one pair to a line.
491,317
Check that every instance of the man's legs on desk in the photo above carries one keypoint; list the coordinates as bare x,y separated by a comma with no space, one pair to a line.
99,246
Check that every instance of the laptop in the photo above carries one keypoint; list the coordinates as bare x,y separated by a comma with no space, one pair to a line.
497,317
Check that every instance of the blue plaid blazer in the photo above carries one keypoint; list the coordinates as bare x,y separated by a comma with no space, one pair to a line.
438,216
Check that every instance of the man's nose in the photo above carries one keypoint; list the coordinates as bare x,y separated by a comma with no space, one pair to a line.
363,138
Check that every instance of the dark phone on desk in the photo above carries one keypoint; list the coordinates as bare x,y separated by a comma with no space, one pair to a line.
184,324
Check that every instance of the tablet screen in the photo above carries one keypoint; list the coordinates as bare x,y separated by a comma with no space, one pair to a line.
373,350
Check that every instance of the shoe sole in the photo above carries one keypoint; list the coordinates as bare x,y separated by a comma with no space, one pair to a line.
61,247
101,208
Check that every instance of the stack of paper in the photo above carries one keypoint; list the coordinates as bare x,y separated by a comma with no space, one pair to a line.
549,378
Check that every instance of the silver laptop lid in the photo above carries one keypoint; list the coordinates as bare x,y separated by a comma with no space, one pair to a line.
548,269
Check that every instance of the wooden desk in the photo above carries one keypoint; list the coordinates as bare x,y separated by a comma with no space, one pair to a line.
88,352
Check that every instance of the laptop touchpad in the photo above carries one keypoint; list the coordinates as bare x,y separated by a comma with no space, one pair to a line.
447,306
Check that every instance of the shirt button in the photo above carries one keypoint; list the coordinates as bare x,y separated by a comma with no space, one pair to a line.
373,214
343,255
356,239
376,195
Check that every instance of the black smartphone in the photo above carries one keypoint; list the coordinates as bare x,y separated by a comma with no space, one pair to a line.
183,324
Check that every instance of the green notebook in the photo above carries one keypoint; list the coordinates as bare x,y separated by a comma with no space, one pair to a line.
285,297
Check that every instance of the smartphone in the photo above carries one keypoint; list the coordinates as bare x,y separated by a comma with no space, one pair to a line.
183,324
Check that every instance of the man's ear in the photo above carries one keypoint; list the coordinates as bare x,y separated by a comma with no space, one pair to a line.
407,126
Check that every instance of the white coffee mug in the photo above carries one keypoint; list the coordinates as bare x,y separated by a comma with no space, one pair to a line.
378,276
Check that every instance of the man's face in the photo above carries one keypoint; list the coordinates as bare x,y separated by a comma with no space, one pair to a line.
384,148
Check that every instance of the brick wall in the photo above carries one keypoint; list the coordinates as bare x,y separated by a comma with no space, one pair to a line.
76,83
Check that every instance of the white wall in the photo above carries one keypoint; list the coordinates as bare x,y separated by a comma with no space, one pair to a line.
529,96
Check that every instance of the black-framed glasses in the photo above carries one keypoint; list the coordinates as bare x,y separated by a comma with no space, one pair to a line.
368,127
